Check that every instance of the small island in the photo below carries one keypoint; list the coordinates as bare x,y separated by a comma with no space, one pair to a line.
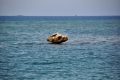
57,38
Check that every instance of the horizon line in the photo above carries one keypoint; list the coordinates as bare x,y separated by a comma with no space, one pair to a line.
59,15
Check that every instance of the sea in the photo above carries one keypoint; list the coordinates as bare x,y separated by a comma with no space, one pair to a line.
92,51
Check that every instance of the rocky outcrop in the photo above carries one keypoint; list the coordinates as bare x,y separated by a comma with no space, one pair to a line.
57,38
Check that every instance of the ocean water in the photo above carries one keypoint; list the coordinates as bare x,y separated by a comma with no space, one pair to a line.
91,53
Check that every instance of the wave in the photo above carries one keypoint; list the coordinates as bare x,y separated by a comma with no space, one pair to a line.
94,39
46,63
29,43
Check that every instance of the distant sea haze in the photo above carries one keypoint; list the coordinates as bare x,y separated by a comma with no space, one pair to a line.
91,52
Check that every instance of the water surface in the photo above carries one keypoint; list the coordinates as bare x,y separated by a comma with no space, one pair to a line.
91,53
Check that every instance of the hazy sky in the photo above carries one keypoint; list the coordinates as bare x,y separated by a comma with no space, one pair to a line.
60,7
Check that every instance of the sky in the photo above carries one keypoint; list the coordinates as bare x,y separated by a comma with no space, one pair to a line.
60,7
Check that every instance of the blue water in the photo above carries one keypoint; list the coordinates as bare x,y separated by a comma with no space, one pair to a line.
91,53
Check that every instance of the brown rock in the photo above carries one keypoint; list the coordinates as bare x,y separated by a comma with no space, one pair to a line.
57,38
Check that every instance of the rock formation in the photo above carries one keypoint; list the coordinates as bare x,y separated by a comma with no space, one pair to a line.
57,38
